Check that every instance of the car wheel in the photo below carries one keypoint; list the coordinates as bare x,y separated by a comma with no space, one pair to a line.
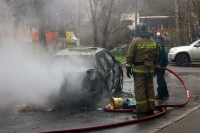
121,83
182,60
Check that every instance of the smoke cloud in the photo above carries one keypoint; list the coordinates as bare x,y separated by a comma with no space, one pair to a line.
28,76
25,76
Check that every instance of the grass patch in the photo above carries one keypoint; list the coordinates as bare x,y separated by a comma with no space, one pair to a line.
120,59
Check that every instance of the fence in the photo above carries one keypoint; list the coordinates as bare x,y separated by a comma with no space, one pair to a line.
51,37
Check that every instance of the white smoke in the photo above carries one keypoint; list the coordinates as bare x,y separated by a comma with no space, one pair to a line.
28,77
25,76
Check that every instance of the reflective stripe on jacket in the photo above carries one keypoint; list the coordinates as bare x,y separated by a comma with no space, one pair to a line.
142,70
144,101
147,45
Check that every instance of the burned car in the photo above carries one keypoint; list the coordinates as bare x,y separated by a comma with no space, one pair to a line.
89,72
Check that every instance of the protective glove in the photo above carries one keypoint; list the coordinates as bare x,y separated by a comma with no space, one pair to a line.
129,72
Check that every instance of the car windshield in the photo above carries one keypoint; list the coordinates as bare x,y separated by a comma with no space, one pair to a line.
195,42
75,62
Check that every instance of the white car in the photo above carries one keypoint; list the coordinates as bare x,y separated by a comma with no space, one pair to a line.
183,55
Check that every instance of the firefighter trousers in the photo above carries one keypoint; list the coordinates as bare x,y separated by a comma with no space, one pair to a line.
144,92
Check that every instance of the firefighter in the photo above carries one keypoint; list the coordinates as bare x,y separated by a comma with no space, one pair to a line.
141,58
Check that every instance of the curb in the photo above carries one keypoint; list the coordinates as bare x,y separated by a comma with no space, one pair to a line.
159,128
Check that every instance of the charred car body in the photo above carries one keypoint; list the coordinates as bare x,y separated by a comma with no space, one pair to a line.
88,72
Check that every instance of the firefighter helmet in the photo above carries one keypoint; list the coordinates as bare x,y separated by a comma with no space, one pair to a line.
141,27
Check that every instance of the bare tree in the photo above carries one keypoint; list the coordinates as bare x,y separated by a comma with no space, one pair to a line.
94,10
188,20
4,21
177,23
105,16
18,9
39,8
194,6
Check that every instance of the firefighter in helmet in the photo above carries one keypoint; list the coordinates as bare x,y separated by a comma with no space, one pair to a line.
141,58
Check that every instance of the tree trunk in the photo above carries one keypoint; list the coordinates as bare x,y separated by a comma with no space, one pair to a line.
41,33
177,42
79,19
105,30
93,9
186,27
15,27
41,24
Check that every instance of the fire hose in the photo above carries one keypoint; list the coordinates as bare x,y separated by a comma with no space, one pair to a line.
159,107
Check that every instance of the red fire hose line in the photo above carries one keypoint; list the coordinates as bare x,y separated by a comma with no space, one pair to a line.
158,107
186,90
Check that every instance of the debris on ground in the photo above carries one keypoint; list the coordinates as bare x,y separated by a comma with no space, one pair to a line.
99,109
30,107
47,110
20,108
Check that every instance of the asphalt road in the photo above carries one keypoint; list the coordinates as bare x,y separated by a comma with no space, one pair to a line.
60,119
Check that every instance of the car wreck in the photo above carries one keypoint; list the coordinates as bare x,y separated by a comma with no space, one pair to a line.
89,73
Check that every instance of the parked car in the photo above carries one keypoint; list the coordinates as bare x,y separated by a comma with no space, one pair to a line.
89,72
183,55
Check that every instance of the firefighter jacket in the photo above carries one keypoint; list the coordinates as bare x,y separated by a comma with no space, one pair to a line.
142,55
